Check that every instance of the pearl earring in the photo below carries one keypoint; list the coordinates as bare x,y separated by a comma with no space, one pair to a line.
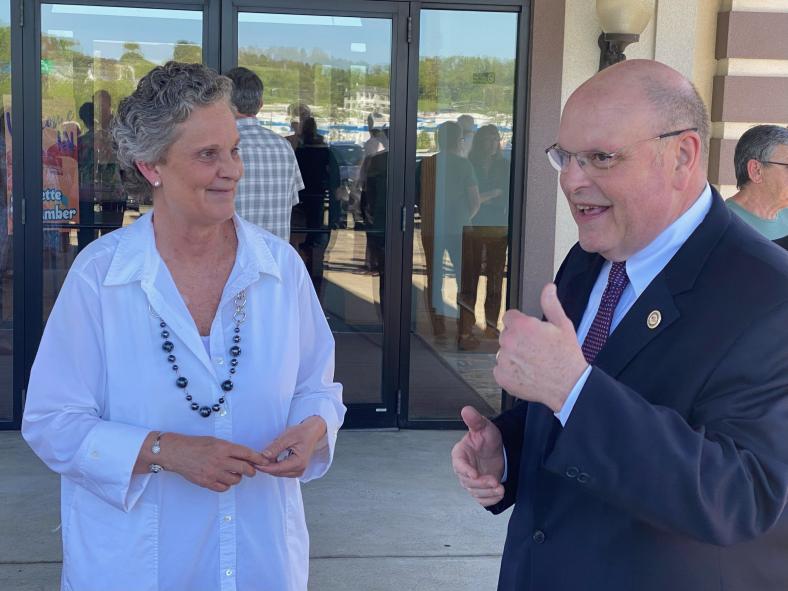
157,183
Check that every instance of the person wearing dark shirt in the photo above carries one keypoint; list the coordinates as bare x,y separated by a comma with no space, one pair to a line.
320,172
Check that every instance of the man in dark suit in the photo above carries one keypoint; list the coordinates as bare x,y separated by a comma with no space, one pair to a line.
651,449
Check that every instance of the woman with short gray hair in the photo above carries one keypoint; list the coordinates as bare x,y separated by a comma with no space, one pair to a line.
184,382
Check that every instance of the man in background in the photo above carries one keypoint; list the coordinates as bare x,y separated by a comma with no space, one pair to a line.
761,161
269,187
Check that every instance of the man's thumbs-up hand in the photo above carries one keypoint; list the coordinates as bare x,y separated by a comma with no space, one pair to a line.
539,360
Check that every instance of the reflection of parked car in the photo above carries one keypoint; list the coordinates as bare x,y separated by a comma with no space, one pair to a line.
349,156
347,153
132,203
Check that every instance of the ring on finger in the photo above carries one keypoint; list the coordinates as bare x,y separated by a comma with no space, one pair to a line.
285,454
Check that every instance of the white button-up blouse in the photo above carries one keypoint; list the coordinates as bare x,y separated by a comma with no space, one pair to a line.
101,382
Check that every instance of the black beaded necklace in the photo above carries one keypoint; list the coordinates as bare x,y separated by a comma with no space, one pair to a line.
235,351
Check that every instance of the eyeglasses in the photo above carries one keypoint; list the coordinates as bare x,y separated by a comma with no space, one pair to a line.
599,161
773,162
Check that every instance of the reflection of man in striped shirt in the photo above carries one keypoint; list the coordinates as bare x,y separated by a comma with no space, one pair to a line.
271,181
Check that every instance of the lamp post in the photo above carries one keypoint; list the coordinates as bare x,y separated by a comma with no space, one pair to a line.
622,23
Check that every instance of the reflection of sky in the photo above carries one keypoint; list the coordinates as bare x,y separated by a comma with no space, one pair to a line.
154,29
359,40
356,40
467,33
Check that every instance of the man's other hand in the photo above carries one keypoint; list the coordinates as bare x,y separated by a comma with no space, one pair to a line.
477,458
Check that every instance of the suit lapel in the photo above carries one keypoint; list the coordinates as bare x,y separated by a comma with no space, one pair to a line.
633,332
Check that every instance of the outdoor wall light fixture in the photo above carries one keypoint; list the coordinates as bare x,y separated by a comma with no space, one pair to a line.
622,23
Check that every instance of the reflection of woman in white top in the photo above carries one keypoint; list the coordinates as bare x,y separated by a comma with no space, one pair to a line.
184,382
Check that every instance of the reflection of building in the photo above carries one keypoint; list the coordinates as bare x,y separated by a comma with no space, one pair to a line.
369,100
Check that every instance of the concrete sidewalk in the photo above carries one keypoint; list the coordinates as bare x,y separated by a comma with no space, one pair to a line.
388,516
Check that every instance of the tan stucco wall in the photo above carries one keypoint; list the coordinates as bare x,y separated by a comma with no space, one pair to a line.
681,33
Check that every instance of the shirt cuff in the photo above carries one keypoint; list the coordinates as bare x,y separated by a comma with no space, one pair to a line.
324,450
505,466
110,453
563,414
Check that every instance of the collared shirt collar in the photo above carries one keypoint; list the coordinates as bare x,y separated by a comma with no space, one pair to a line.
647,263
137,259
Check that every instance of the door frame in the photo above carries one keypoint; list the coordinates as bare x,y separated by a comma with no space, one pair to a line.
220,52
19,365
517,184
27,180
384,413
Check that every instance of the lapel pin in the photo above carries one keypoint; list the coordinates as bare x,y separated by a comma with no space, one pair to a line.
654,319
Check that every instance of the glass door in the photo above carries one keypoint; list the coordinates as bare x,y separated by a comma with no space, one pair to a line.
466,77
408,251
329,81
92,56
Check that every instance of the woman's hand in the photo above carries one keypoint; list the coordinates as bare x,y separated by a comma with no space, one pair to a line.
209,462
298,443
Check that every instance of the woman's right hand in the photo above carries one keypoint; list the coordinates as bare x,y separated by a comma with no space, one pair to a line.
209,462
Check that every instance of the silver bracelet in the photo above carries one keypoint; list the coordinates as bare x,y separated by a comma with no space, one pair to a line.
156,450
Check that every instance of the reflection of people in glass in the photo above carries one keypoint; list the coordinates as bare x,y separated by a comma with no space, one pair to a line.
106,176
85,164
185,353
320,172
448,180
378,140
299,113
375,175
468,125
99,174
484,242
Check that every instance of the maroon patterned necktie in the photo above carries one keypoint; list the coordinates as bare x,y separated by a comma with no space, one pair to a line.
617,281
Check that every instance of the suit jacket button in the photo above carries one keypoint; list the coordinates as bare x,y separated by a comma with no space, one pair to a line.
538,536
572,472
582,478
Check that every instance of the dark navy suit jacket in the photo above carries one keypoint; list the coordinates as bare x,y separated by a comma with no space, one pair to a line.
671,473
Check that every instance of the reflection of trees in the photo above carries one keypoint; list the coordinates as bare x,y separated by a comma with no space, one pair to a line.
186,51
292,74
70,76
5,59
316,78
448,83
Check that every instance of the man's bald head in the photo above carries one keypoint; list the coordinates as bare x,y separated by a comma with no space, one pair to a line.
635,146
672,102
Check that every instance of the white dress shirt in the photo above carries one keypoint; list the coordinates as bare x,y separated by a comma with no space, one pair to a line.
641,267
101,382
